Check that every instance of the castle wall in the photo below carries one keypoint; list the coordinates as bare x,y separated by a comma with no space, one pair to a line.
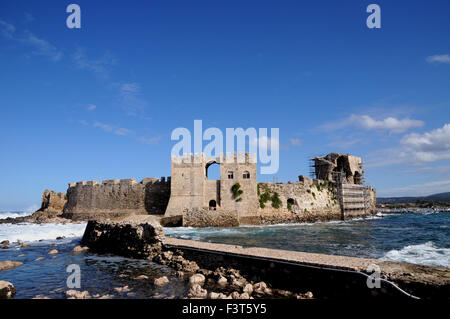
187,184
191,189
310,200
212,192
248,204
185,196
113,198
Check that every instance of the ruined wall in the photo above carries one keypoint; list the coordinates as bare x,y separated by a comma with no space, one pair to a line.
350,166
52,202
113,198
305,201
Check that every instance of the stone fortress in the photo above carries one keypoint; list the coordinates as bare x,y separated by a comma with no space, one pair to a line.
189,198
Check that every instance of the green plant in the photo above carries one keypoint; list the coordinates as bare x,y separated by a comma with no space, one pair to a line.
263,199
276,201
289,206
65,196
237,192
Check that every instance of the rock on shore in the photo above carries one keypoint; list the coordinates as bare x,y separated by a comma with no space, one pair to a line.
4,265
137,236
7,290
50,212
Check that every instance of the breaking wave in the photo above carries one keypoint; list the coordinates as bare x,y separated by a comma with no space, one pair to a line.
4,215
28,232
423,254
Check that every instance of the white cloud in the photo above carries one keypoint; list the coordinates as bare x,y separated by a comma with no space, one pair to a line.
113,129
368,123
415,149
429,146
91,107
295,141
99,67
41,47
38,45
131,99
150,140
7,30
444,58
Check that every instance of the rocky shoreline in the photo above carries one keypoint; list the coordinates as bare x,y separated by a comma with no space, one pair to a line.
143,237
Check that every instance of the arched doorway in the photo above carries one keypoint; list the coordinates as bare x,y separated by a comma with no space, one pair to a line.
212,171
212,204
290,203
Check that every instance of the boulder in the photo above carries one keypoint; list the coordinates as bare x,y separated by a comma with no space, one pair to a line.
308,295
138,236
7,290
39,259
53,252
4,265
197,292
5,242
142,277
78,249
161,281
123,289
248,288
238,282
215,295
75,294
222,281
197,279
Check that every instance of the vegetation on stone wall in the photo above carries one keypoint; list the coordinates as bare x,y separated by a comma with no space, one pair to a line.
237,192
265,195
276,201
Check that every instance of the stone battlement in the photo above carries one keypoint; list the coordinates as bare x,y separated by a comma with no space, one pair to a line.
240,158
125,181
236,197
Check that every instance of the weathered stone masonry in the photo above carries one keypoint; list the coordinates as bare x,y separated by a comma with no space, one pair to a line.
113,198
189,198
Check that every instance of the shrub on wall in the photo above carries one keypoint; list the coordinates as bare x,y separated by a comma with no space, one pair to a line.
276,201
237,192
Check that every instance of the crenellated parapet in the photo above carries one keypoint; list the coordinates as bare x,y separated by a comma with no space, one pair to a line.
125,181
240,157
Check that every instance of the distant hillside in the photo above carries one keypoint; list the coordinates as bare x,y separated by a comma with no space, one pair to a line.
441,197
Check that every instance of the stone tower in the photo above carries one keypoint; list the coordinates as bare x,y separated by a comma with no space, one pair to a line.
191,188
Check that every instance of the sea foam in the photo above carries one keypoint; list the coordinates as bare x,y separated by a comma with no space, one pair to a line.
4,215
28,232
423,254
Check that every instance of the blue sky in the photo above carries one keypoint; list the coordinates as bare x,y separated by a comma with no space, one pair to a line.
100,102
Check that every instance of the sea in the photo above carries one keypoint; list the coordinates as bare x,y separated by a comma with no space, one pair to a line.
420,238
